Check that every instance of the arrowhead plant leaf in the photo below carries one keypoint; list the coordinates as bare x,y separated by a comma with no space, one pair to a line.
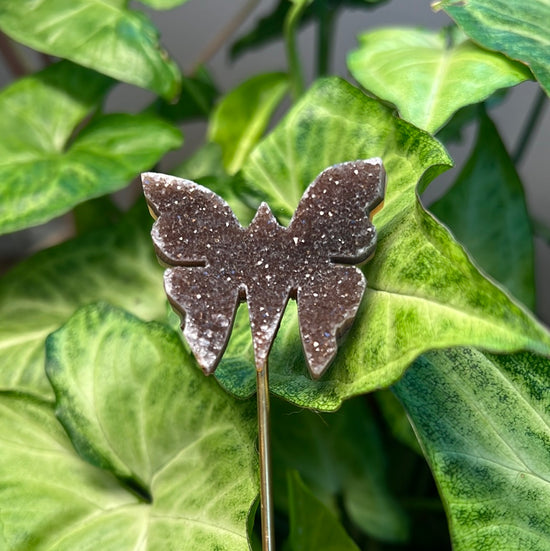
116,264
88,32
349,464
312,524
242,116
423,290
427,78
46,167
177,457
50,497
513,27
491,220
483,422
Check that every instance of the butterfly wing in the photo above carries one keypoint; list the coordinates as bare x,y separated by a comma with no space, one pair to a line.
330,227
326,308
193,224
333,217
193,232
208,305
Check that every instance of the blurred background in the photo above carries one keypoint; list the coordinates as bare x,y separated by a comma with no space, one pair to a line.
189,33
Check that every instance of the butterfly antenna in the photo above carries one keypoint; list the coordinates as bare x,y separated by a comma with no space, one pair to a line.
266,486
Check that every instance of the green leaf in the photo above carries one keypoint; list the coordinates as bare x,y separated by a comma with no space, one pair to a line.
270,27
349,463
423,291
242,116
132,403
101,212
49,497
100,34
396,419
45,169
427,78
196,100
514,27
491,220
312,525
117,265
483,421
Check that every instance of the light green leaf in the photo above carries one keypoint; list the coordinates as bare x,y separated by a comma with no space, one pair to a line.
349,463
487,213
117,265
100,34
484,421
515,27
45,169
132,403
312,525
423,291
242,116
49,497
427,78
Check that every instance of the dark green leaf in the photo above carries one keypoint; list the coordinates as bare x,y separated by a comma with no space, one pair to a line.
483,422
423,291
100,34
427,78
487,213
397,419
45,169
95,214
242,116
270,27
196,100
116,265
514,27
312,525
339,455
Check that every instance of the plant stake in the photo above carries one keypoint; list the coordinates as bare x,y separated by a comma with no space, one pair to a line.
215,263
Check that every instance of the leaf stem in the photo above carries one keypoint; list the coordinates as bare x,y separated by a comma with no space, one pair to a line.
325,33
266,486
294,64
531,124
13,58
220,39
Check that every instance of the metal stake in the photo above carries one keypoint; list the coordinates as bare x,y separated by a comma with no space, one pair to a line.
266,492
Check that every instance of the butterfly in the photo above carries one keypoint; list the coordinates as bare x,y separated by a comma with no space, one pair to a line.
214,263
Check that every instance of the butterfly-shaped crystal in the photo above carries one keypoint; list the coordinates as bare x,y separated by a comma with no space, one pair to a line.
215,263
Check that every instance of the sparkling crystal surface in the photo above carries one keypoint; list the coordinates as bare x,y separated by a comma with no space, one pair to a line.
214,263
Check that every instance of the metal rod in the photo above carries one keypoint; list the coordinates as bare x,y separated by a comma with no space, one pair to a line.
266,491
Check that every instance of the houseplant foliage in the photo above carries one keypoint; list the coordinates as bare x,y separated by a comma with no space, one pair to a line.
109,434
